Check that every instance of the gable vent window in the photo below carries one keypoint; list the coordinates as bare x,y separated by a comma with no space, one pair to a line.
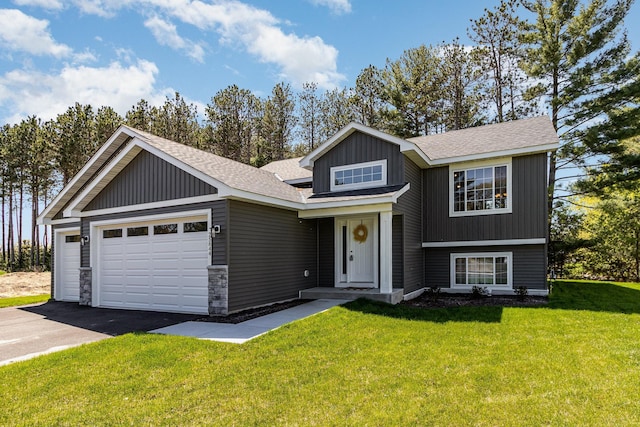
137,231
110,234
361,175
195,227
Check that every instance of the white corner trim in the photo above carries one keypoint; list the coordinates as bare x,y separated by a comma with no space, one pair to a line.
148,206
476,243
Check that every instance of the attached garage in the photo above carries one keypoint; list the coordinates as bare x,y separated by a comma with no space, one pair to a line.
158,265
67,265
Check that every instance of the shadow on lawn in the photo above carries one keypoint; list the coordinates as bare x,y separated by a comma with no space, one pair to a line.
485,314
595,296
566,295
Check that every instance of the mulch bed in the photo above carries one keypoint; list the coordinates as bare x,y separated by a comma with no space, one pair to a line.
465,300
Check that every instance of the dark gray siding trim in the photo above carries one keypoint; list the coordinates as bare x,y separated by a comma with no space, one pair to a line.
529,264
528,218
410,205
358,148
269,250
326,252
218,216
146,179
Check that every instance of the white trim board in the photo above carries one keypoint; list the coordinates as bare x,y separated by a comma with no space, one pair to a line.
152,205
476,243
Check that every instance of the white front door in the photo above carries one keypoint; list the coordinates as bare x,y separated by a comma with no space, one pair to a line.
357,252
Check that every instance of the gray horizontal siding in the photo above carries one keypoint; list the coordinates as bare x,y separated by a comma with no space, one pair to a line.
410,205
529,264
218,217
358,148
527,220
146,179
269,249
326,252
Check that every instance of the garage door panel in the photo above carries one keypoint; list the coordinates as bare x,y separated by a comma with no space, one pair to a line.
164,272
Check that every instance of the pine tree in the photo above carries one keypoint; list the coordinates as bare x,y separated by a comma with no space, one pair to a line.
573,49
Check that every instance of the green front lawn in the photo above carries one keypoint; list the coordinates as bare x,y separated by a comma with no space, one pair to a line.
16,301
575,362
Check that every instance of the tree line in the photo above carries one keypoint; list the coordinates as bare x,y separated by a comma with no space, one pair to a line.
567,58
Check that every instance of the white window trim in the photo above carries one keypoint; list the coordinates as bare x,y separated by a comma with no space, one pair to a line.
452,265
359,185
477,165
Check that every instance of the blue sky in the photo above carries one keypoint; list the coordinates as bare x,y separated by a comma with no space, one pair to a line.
114,52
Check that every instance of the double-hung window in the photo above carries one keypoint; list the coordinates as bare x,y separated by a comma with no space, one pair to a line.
491,269
480,189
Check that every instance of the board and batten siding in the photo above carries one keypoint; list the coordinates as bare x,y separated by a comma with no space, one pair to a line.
218,216
358,148
269,250
529,206
410,206
146,179
529,264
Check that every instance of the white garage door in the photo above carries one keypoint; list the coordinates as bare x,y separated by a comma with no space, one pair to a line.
67,265
159,266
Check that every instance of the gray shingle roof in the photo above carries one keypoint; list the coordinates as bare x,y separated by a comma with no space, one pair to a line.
229,172
288,169
507,136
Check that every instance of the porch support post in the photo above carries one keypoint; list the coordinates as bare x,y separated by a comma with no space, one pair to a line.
386,235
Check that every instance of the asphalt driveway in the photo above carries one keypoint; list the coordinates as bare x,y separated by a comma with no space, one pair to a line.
29,331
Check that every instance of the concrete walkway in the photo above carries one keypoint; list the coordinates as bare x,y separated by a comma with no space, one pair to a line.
242,332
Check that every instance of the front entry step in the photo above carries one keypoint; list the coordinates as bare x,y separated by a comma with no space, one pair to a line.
352,294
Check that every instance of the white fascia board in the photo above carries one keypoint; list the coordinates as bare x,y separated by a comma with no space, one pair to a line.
118,163
476,243
495,154
49,221
361,205
47,210
346,210
307,161
152,205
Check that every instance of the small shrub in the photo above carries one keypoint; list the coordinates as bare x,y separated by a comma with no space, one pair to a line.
433,293
521,292
478,292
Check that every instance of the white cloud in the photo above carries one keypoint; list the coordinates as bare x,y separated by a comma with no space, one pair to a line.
300,59
166,34
337,6
240,25
22,32
45,4
27,92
